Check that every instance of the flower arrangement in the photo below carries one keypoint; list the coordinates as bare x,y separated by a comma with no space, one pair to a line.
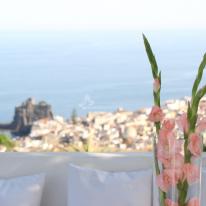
177,158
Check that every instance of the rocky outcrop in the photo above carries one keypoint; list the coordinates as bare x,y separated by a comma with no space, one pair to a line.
26,114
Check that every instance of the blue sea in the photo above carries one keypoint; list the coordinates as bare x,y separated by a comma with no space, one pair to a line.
94,70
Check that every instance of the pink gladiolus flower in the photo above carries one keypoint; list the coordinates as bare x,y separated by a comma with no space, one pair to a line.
191,173
156,85
178,174
156,114
166,131
169,151
201,126
166,179
169,202
195,144
193,202
176,161
183,123
165,135
168,125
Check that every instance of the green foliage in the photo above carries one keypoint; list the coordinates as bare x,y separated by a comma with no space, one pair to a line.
199,76
196,96
6,141
74,116
151,57
154,67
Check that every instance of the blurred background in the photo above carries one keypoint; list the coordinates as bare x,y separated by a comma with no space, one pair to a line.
88,56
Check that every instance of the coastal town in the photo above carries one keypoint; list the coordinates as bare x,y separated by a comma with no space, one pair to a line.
118,131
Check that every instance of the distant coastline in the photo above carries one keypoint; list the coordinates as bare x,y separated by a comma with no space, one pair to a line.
120,130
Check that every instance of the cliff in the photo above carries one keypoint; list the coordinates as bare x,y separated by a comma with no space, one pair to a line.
26,114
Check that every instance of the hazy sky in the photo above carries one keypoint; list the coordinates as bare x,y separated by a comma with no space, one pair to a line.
105,14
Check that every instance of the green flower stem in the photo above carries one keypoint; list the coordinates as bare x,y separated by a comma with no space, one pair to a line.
192,120
199,76
156,75
162,195
182,187
157,125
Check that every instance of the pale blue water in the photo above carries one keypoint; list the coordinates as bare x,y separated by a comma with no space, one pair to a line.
94,71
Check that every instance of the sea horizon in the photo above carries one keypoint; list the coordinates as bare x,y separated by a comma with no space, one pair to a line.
94,70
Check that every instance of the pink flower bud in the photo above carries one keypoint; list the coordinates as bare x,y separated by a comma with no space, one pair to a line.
156,85
156,114
183,123
194,145
168,125
191,173
167,178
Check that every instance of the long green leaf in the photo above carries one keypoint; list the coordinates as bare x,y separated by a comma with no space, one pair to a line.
195,104
199,76
151,57
198,97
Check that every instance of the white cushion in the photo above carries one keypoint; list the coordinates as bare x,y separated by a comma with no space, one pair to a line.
90,187
55,166
21,191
